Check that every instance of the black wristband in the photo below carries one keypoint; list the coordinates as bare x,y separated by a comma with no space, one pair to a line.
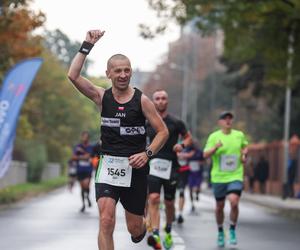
86,47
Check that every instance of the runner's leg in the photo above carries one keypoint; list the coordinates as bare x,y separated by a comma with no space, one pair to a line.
107,210
82,189
86,190
153,210
234,204
136,226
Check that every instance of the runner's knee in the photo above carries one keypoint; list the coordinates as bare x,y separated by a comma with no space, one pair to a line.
234,204
107,224
220,206
154,198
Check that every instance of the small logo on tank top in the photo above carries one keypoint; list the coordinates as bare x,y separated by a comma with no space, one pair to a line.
121,108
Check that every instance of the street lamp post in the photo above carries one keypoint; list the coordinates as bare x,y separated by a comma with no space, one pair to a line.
287,111
184,101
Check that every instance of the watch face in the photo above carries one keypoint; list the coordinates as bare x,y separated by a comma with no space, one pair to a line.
149,153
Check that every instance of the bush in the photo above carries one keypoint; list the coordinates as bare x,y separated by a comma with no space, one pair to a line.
36,157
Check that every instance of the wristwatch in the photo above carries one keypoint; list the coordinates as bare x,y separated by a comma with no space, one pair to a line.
149,152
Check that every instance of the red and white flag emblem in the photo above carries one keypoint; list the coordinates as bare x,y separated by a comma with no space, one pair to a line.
121,108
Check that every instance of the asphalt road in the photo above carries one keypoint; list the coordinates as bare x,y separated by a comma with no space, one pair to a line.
53,222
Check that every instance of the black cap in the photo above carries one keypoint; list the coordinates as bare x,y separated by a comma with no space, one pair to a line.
224,114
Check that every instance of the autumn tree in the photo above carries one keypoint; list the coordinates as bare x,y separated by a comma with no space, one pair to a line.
54,112
17,42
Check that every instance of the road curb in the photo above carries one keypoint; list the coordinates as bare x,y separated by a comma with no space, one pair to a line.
290,212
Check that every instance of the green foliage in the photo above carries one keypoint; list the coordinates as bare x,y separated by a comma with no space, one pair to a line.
256,36
253,29
55,113
36,157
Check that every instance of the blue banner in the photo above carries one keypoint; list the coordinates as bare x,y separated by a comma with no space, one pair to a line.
14,90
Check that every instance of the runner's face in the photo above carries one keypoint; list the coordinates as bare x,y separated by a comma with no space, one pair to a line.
160,100
120,73
84,137
226,123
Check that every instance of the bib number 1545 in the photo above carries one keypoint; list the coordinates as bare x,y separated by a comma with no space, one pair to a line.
116,172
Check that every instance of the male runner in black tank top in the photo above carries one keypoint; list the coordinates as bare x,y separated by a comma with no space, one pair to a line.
163,170
123,167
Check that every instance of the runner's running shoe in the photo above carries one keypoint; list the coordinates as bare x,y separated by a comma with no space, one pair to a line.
82,209
180,219
232,237
154,241
168,241
221,239
193,209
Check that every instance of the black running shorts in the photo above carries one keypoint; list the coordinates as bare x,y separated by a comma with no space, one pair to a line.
155,184
132,198
83,175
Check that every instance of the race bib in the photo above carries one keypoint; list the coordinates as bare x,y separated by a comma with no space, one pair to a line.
72,170
182,162
115,171
228,163
194,166
160,168
84,163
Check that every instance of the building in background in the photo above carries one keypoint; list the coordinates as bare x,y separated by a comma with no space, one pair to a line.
139,78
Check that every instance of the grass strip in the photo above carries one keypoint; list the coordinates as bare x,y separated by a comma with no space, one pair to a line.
20,191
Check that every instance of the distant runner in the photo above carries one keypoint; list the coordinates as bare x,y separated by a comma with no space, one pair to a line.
82,154
163,171
227,148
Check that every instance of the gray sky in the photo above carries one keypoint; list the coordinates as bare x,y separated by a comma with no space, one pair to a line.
119,18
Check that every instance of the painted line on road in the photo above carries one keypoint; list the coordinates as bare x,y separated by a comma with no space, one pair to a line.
178,242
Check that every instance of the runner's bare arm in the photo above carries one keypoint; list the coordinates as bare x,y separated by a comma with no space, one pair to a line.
187,141
244,155
157,124
211,151
86,87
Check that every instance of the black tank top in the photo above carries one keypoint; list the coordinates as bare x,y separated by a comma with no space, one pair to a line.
123,131
176,127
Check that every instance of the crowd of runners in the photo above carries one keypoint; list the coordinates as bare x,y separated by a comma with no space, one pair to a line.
148,159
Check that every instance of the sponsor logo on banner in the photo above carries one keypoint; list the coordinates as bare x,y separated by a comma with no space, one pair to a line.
132,130
4,105
111,122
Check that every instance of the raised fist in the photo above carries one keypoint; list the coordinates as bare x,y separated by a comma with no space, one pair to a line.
93,36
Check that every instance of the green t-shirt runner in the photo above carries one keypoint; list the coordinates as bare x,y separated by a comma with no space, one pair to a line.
226,161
